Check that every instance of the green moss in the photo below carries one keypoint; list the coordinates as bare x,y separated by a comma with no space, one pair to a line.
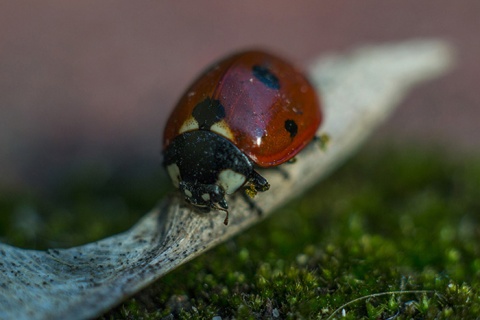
392,233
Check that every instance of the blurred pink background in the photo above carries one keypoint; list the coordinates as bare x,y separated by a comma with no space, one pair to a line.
95,80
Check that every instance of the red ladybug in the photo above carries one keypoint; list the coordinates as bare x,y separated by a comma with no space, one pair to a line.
249,110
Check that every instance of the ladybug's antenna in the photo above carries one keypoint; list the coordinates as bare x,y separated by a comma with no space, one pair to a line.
225,222
214,206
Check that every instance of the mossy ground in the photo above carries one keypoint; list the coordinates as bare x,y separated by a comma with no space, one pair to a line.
393,234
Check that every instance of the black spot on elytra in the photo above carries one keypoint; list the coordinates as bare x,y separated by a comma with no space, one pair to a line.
291,127
266,76
208,112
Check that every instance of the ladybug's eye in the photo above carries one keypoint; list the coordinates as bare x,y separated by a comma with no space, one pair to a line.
266,77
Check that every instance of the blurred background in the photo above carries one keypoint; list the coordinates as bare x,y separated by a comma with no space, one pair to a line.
93,82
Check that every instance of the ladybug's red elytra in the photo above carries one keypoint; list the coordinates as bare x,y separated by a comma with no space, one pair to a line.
249,110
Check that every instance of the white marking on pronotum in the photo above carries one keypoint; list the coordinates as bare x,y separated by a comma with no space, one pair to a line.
206,196
222,129
230,180
189,125
174,173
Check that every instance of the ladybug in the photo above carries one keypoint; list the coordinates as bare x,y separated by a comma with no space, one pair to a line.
250,110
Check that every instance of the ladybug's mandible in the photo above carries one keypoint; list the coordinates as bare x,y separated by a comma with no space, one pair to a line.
249,110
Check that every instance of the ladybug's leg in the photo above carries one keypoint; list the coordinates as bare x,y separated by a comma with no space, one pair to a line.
223,207
322,140
256,183
292,161
260,183
251,203
282,171
214,206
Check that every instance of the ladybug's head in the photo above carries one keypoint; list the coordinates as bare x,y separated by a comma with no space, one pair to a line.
205,167
204,195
